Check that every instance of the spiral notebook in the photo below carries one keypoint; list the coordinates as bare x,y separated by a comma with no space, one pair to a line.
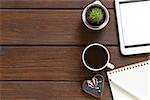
131,82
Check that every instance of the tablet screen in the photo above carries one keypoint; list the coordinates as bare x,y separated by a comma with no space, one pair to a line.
135,20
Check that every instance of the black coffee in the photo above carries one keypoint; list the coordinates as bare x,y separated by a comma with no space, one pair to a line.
96,57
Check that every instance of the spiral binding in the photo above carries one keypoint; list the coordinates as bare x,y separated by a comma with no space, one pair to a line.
129,67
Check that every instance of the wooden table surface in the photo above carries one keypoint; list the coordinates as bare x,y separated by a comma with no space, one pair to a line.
41,42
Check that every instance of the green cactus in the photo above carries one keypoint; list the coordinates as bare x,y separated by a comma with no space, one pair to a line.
96,15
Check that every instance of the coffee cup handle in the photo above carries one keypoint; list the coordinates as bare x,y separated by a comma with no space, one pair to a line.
111,66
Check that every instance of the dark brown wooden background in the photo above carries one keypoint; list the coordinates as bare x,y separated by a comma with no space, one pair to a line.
40,49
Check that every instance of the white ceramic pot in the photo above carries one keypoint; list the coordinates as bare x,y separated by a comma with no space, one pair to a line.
95,3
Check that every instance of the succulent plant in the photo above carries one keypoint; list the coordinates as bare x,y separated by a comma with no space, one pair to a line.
96,15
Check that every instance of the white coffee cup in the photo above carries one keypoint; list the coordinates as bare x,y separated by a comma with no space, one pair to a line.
107,64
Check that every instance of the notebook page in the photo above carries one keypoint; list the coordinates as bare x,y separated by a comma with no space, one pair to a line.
119,94
134,80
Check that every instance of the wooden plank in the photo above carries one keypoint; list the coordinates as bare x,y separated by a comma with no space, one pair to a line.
50,3
43,90
52,62
52,27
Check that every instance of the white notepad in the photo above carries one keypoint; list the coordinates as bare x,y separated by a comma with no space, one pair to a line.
131,82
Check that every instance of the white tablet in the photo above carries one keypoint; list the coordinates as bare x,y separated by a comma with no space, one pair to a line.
133,18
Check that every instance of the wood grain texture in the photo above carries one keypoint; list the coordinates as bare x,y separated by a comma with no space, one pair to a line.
51,3
42,90
52,62
52,27
49,67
